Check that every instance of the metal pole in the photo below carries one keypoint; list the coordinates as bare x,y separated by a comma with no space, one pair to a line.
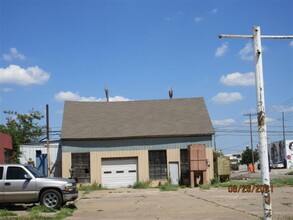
48,139
261,119
262,130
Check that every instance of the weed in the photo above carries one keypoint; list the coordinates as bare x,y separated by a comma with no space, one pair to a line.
205,186
168,187
5,213
142,185
289,173
93,187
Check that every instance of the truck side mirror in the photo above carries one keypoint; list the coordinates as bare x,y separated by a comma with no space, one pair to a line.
27,177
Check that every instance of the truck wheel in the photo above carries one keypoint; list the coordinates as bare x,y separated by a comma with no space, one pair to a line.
51,198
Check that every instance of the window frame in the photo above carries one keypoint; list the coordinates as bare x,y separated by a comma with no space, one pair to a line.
158,165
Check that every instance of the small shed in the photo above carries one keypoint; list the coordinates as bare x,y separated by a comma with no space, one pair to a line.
38,153
222,167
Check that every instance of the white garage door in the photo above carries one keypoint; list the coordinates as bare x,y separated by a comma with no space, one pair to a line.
118,173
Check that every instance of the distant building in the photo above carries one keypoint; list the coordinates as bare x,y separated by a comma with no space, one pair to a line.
6,152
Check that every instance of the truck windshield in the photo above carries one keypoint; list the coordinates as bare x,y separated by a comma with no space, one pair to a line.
34,171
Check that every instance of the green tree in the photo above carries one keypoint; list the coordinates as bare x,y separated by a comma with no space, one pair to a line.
247,156
23,128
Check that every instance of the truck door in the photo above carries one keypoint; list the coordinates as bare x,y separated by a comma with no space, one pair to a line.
17,188
1,184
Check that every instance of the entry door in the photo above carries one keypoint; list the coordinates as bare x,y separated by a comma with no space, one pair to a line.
17,187
174,172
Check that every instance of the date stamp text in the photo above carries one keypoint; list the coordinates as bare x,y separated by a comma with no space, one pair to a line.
250,188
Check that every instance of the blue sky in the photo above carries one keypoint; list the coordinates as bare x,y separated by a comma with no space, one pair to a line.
51,51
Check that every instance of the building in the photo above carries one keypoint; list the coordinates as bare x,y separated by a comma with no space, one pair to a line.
6,153
116,144
37,154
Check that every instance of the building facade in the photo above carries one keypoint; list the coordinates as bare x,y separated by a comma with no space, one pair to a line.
116,144
6,153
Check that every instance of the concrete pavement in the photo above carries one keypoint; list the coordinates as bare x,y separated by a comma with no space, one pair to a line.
216,203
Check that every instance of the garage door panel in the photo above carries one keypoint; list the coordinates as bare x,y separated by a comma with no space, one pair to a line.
118,173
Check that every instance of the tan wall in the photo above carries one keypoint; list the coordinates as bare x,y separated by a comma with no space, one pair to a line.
173,155
96,163
210,170
66,164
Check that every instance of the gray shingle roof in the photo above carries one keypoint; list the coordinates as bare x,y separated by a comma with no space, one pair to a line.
152,118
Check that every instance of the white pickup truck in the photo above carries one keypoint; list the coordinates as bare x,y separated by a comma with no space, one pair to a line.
24,184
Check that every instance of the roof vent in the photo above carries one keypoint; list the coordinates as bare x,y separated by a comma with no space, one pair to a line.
171,93
107,94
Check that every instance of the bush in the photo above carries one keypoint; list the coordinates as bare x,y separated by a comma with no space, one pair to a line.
215,180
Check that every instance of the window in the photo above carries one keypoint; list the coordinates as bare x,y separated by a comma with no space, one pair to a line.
7,156
157,164
80,167
1,173
15,173
184,164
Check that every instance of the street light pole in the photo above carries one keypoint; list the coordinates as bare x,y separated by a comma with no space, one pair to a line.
261,116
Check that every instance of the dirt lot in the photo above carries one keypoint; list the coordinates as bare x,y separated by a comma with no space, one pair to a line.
216,203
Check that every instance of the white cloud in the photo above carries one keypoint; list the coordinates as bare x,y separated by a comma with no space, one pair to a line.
291,43
238,79
254,121
247,52
6,90
224,122
282,108
198,19
13,54
221,50
16,75
214,11
226,98
70,96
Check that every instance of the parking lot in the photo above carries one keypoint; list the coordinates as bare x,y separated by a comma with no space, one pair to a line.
188,203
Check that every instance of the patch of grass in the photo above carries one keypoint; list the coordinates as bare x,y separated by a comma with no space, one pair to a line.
282,182
168,187
93,187
274,182
142,185
205,186
39,209
5,213
286,204
65,212
289,173
238,183
41,213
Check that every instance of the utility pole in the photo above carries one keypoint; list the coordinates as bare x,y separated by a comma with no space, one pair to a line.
48,139
283,120
261,116
251,139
